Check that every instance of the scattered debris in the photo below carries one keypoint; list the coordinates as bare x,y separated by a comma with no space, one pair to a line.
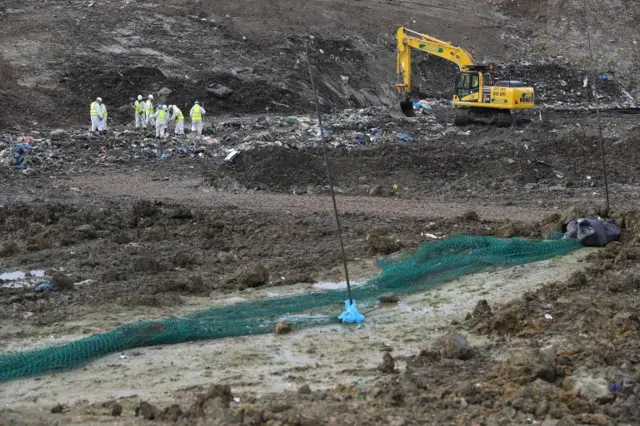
283,327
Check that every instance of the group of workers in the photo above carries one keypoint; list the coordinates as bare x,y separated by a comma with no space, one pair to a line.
146,115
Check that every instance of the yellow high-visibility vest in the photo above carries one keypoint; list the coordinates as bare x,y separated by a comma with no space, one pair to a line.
197,113
149,106
104,113
94,109
160,114
179,113
139,107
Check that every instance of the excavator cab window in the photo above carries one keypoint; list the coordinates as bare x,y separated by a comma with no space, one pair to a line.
467,83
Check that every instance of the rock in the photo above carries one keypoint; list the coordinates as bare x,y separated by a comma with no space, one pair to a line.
180,213
506,230
470,216
143,208
249,415
389,298
588,386
183,259
388,365
116,409
396,421
171,414
122,238
311,190
86,231
165,91
482,310
60,281
213,402
454,346
375,190
59,408
283,327
146,264
304,390
254,275
378,244
29,172
58,135
225,257
9,249
506,320
220,91
527,365
577,280
114,275
147,411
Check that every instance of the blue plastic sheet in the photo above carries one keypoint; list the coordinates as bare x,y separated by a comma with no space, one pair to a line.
405,137
350,314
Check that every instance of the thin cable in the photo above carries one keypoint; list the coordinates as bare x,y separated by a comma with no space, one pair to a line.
326,163
595,93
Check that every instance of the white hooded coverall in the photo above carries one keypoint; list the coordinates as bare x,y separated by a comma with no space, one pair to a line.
196,114
177,115
161,123
105,118
96,116
140,118
148,109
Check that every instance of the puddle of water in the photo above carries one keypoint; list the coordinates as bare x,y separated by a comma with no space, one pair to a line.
19,275
337,286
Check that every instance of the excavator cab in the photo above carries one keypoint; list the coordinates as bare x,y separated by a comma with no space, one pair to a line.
467,84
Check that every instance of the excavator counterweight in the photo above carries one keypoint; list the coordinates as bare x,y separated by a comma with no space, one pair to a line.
476,97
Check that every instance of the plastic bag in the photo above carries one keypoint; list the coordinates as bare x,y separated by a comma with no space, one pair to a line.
593,231
351,314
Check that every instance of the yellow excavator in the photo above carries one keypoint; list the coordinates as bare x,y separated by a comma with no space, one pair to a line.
476,97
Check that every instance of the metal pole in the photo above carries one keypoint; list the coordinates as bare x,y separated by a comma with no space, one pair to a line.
595,92
326,163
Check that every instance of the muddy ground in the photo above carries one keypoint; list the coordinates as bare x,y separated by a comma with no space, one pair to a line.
143,238
125,227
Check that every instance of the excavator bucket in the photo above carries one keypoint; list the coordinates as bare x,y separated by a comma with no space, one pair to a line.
402,109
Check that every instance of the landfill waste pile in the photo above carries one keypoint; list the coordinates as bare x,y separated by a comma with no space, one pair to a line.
71,149
432,264
116,245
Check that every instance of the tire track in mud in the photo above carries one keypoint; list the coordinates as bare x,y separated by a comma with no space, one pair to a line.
190,191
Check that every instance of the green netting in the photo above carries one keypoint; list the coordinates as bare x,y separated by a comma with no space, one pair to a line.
432,264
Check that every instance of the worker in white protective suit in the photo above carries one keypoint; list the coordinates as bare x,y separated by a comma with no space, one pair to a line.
138,108
148,110
160,118
176,114
96,115
196,114
105,118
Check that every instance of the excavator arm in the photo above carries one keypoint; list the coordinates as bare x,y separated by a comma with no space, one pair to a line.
408,40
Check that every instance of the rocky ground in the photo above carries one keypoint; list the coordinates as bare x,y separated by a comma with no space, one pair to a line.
123,227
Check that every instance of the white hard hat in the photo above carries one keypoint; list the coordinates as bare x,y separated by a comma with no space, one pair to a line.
139,97
197,103
99,99
150,96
